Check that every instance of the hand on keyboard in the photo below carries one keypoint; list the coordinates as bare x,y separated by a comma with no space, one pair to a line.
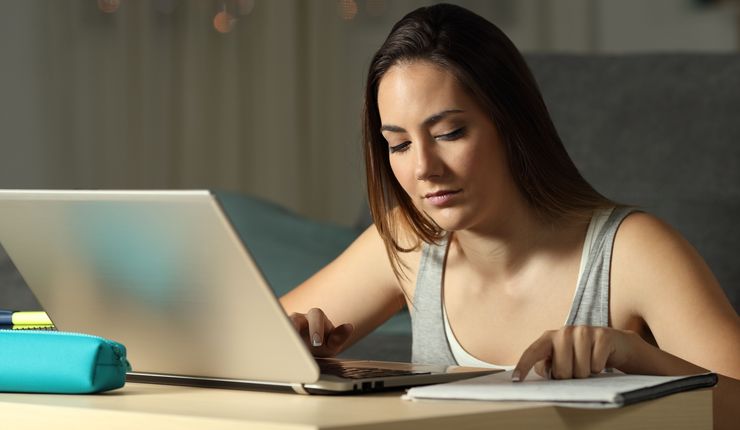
319,333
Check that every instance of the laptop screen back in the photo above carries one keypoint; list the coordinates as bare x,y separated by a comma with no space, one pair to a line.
162,272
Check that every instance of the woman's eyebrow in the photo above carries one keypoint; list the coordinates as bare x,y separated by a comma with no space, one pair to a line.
431,120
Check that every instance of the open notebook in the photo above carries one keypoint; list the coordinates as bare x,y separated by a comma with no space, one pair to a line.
604,390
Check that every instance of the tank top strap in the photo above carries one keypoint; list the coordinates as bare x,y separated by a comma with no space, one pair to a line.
591,300
429,343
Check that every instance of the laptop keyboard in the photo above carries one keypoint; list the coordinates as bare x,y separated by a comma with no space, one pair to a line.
352,372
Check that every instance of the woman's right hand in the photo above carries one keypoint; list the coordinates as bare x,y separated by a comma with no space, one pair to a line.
319,334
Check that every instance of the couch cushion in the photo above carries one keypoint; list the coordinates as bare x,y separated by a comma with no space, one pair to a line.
287,247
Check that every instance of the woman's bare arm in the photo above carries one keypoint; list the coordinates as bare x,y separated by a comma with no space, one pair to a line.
664,281
357,288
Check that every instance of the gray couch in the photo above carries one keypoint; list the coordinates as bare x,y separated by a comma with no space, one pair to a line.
658,131
661,132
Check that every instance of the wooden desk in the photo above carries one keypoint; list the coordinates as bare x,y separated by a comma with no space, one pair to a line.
144,406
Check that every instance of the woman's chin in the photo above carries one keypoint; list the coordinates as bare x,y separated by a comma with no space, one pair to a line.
449,219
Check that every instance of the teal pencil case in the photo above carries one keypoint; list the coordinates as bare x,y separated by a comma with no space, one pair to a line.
60,362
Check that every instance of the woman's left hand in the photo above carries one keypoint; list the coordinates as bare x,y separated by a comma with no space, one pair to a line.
576,352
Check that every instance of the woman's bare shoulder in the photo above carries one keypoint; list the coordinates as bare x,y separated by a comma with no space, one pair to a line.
647,250
658,276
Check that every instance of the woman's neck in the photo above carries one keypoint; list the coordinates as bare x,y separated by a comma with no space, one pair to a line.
501,250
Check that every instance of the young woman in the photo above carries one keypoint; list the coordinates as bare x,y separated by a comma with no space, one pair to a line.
485,229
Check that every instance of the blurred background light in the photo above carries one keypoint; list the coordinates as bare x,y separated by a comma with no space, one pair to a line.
347,9
109,6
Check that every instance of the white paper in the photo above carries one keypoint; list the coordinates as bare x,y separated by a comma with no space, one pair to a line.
597,391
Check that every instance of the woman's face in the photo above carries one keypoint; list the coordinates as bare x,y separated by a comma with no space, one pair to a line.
443,148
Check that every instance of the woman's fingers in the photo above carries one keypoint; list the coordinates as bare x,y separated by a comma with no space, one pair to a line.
562,354
543,368
540,350
300,323
574,352
582,347
339,336
318,326
319,334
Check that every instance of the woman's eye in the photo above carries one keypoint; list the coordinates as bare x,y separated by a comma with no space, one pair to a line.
400,147
453,135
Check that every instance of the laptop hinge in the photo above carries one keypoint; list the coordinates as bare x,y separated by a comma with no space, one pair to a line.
298,388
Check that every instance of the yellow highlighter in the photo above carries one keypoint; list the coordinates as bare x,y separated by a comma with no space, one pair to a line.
31,318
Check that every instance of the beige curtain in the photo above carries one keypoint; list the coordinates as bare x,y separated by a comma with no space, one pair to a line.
154,97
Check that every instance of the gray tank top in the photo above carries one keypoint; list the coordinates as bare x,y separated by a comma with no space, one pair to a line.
590,302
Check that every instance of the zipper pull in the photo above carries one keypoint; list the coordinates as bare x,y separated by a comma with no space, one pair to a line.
121,357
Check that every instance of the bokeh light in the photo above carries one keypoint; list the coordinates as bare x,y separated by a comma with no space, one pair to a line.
224,22
347,9
109,6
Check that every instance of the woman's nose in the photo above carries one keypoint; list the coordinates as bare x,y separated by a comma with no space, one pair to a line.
428,164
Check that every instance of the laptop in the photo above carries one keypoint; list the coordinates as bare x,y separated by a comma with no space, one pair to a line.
166,274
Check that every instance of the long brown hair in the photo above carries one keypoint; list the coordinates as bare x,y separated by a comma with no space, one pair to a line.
488,65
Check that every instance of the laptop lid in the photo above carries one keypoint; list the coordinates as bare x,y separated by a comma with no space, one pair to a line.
162,272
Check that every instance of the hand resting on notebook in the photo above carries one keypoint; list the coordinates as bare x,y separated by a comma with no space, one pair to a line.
576,352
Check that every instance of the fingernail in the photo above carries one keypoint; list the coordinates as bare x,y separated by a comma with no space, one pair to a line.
316,340
516,376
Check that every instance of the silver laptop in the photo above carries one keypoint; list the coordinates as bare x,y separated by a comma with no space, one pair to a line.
166,274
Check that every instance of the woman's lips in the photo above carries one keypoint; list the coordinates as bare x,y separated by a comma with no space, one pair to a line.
441,198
